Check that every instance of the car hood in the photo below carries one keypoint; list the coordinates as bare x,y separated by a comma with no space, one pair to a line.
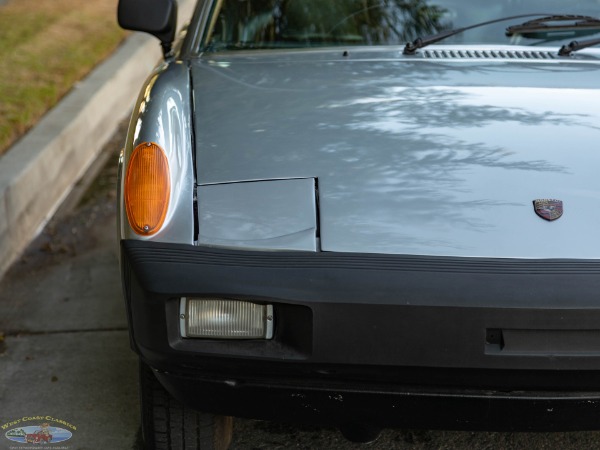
414,155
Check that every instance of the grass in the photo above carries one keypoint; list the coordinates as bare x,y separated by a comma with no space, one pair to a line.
46,46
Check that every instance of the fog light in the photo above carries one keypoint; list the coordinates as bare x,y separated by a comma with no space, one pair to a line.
225,319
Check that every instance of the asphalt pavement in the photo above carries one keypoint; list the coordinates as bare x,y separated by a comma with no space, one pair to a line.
65,353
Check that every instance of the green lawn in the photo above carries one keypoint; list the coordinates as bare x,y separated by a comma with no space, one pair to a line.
45,47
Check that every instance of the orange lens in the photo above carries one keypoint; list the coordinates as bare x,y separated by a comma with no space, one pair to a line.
147,188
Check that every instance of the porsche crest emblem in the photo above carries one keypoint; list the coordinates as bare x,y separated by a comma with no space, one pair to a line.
548,209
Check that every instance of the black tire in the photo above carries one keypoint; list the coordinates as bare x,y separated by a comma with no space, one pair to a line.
168,425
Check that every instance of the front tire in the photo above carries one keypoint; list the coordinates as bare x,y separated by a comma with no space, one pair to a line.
169,425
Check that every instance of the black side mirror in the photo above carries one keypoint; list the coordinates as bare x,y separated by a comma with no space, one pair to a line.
157,17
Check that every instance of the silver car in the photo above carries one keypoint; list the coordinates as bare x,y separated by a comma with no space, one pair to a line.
365,214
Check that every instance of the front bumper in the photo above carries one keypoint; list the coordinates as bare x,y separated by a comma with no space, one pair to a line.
393,340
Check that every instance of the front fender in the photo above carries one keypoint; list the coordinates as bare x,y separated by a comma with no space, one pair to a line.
162,114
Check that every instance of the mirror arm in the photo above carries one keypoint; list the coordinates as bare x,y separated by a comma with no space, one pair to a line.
167,50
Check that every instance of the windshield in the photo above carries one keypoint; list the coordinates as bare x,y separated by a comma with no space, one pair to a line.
261,24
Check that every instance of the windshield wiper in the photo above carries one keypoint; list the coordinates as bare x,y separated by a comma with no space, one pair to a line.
552,24
412,47
574,46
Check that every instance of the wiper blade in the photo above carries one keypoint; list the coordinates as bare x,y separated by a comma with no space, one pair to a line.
412,47
552,24
574,46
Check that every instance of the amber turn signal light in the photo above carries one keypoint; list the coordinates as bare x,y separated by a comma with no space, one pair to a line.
147,188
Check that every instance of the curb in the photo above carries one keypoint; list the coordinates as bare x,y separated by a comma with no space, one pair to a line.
40,170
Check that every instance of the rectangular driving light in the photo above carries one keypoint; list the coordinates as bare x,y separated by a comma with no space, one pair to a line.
220,318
